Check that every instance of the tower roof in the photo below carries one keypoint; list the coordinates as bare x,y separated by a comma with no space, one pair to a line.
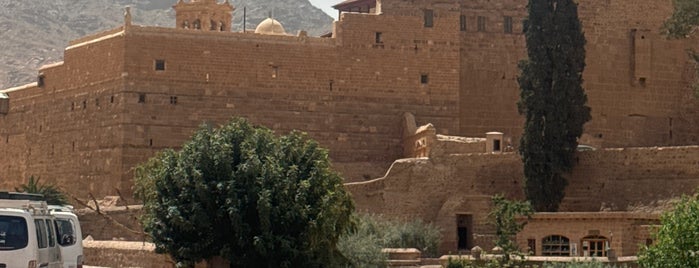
270,26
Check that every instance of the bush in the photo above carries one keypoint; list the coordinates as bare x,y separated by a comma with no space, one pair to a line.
362,246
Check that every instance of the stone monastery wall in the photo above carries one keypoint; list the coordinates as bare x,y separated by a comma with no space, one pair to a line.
441,188
124,94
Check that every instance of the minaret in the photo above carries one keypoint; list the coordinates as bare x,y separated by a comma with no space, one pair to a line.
205,15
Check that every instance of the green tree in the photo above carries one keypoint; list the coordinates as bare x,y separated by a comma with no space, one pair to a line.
684,20
552,99
51,193
676,241
504,217
243,194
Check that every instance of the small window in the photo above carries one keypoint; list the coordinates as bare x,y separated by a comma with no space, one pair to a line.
111,99
213,25
185,24
41,80
196,24
275,71
160,65
65,230
555,245
462,23
429,18
221,26
481,24
173,100
84,104
41,233
496,145
52,235
141,98
424,79
97,102
379,38
507,24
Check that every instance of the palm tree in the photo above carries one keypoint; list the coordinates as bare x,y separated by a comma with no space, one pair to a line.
51,193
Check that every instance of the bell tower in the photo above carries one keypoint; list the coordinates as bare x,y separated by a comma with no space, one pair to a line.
204,15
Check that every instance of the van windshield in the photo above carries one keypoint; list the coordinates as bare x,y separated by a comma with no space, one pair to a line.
13,233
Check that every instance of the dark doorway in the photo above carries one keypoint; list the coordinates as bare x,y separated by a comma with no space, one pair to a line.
464,229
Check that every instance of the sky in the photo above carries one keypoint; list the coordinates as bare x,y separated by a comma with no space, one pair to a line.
326,5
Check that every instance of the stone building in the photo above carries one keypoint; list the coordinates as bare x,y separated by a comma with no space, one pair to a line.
121,95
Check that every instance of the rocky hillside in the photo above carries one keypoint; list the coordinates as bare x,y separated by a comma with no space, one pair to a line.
35,32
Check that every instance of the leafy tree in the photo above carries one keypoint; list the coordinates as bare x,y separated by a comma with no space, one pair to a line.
684,19
676,242
51,193
552,99
241,193
503,217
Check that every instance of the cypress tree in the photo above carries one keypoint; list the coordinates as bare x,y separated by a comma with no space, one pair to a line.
552,99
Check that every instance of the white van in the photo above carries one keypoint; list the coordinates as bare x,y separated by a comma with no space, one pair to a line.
27,236
69,236
32,236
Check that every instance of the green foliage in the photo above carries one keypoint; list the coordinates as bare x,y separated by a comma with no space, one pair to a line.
51,193
676,242
552,99
242,193
684,19
590,264
362,246
503,217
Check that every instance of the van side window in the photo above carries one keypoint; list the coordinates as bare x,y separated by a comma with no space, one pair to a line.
41,233
13,233
66,232
52,237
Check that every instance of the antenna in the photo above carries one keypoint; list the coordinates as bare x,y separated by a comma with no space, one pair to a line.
245,17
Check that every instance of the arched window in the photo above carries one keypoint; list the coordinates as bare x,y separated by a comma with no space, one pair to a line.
185,24
221,26
213,25
555,245
595,246
196,24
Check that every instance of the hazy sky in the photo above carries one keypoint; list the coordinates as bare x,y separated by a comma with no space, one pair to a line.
326,5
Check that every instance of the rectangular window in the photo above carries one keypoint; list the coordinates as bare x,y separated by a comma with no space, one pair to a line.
424,79
52,237
507,24
275,71
481,24
13,233
65,231
173,100
379,38
141,98
160,65
40,226
462,23
429,18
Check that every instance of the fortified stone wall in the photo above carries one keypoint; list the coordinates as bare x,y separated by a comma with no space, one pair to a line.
66,130
635,78
439,189
107,108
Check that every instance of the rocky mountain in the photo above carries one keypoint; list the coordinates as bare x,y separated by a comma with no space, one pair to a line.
35,32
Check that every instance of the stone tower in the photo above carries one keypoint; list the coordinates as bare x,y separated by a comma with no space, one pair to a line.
208,15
